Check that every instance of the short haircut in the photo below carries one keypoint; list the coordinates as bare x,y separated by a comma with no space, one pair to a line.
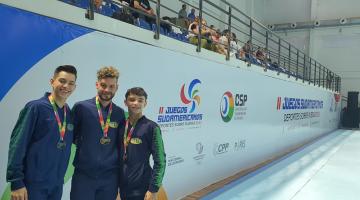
66,68
138,91
107,72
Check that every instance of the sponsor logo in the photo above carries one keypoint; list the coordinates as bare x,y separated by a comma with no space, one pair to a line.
113,124
233,106
182,116
174,160
135,141
199,148
221,148
227,107
240,144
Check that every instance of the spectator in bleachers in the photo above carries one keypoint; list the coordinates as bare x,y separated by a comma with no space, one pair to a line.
122,13
234,47
259,54
267,55
182,12
224,40
246,50
144,6
194,32
182,19
216,45
102,7
191,15
275,65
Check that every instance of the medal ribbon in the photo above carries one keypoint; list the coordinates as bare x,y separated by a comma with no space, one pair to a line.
127,136
104,127
62,127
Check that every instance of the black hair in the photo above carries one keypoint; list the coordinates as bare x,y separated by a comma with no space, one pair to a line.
66,68
139,91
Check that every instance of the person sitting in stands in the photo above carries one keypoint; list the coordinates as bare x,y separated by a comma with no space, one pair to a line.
144,6
217,46
260,56
275,65
191,15
194,32
102,7
234,49
122,12
246,49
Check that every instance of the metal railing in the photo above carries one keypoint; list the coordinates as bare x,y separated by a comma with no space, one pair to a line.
281,55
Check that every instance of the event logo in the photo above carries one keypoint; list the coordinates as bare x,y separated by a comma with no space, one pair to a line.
298,103
192,94
291,113
179,116
230,106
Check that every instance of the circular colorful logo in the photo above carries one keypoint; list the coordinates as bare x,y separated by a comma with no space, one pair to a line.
227,106
192,94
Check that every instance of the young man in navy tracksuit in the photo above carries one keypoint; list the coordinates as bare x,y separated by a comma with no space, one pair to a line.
96,134
40,143
141,138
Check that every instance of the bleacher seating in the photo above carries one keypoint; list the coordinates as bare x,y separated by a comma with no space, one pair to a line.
109,8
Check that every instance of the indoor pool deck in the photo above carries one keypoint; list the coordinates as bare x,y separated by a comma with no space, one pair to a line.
327,169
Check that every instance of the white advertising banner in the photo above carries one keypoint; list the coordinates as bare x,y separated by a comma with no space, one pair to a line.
215,119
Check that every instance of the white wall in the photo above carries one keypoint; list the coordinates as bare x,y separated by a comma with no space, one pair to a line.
335,48
286,11
338,48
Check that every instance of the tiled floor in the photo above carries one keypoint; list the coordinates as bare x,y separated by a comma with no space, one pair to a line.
328,169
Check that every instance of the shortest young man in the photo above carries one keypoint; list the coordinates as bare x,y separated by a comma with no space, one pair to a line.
142,138
40,143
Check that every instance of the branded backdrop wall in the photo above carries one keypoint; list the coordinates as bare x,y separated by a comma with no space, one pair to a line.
215,119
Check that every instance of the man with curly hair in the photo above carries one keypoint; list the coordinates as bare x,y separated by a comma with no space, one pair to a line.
96,126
